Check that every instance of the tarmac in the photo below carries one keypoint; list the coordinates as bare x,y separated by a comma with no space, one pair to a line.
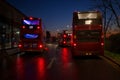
12,51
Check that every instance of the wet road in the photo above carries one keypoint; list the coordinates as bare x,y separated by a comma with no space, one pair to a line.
57,64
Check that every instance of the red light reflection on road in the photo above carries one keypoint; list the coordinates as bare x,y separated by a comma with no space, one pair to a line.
41,69
19,68
68,68
65,57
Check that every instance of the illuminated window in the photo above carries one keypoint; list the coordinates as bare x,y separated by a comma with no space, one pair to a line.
87,15
88,21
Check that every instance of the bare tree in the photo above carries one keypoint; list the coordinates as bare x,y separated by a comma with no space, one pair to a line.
117,2
111,6
110,10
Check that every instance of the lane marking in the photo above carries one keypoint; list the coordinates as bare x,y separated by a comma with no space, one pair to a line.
113,64
51,63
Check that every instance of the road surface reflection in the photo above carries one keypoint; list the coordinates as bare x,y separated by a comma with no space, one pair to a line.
41,69
19,69
31,69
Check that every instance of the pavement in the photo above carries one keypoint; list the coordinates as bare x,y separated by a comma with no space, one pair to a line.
12,51
8,52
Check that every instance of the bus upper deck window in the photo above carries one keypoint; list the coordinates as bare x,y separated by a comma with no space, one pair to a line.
88,21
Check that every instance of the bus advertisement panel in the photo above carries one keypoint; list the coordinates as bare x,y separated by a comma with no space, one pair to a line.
31,35
87,36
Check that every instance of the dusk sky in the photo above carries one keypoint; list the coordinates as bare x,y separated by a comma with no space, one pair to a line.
55,14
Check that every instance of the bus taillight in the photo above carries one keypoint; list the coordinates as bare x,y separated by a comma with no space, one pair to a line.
46,48
23,27
64,42
64,36
74,44
102,36
102,44
38,27
20,45
40,46
31,18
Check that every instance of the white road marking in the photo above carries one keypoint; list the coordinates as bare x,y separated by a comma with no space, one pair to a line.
51,63
111,62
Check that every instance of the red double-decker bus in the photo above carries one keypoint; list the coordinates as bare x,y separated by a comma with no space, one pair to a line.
65,38
87,37
32,35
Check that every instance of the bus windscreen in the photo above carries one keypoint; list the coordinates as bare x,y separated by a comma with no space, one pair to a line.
31,22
